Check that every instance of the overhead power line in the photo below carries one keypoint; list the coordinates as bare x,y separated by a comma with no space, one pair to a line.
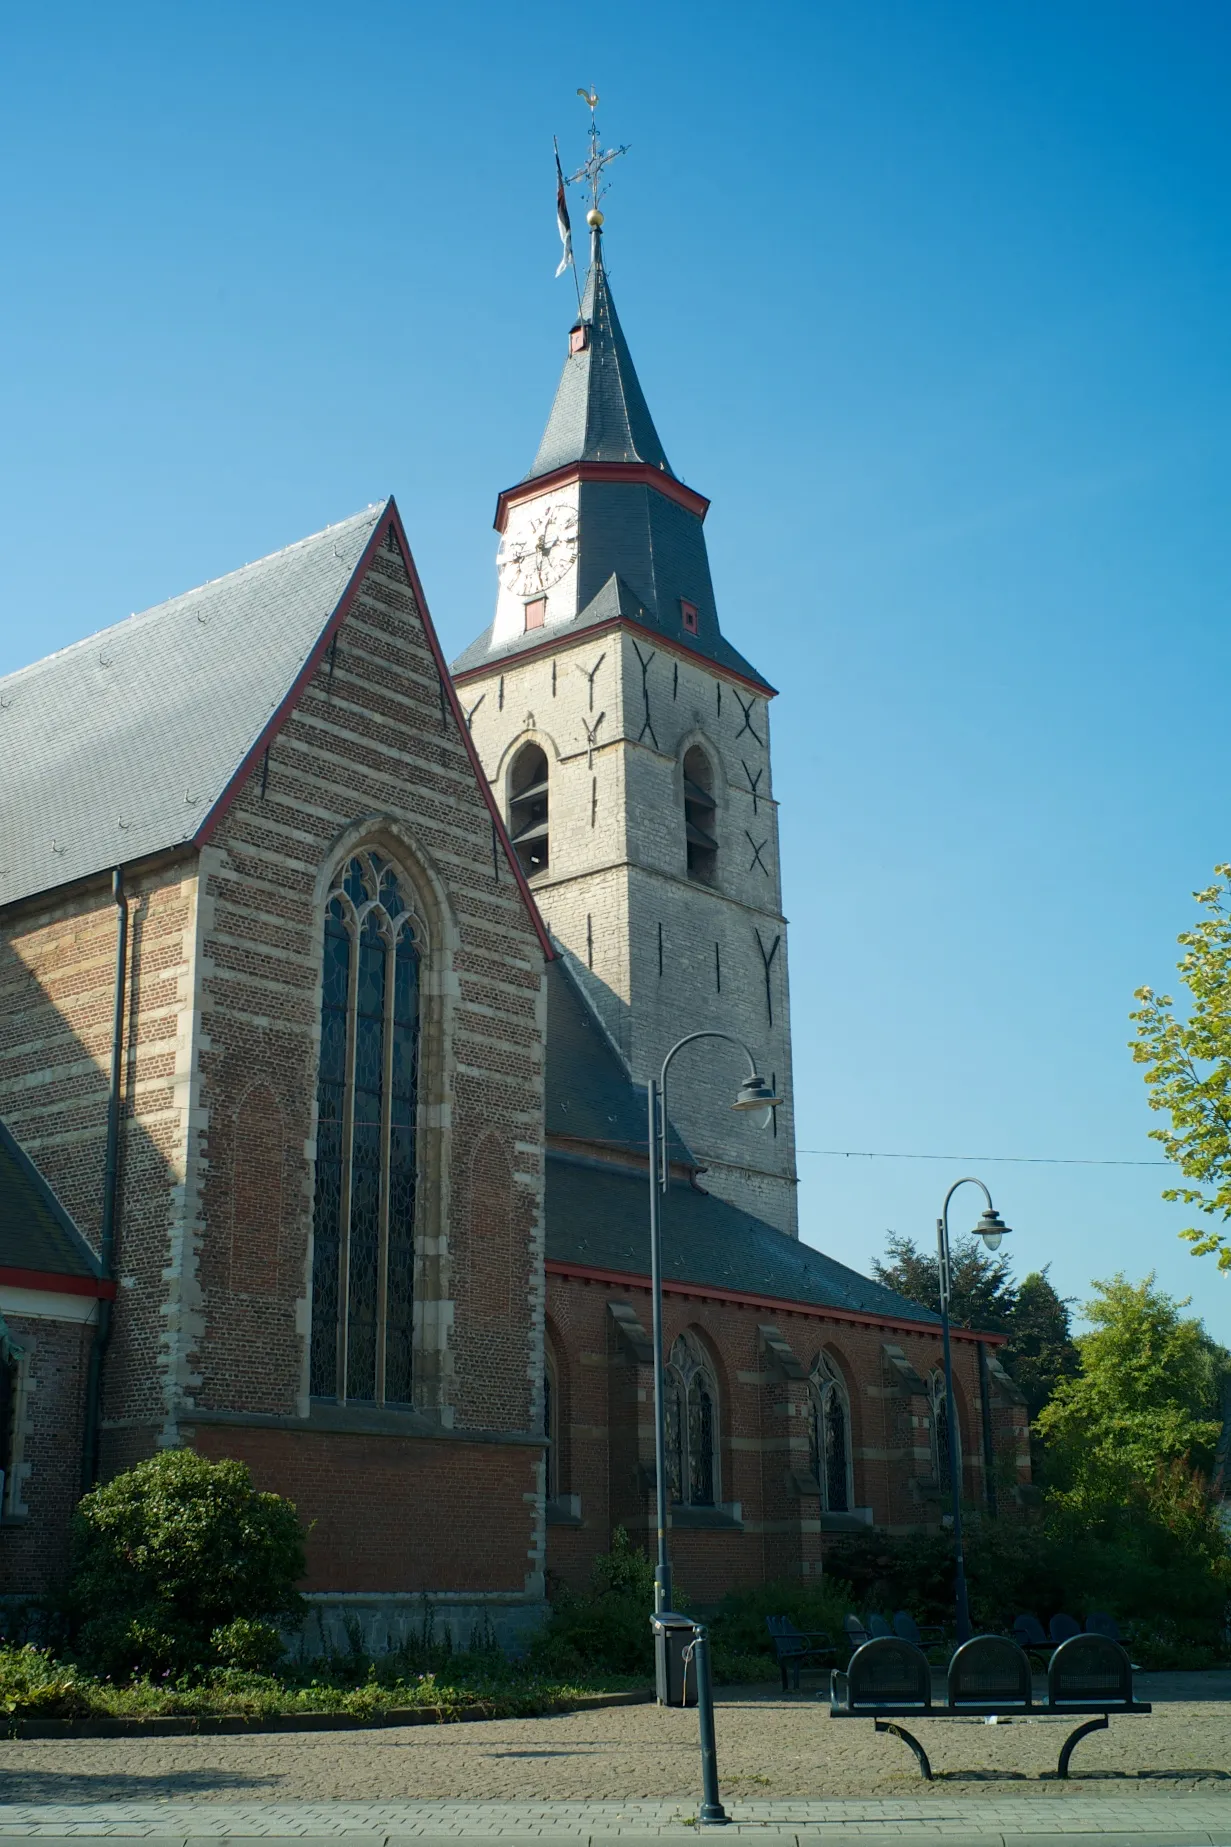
1025,1160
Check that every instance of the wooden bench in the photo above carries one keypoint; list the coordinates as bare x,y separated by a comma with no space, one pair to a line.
989,1677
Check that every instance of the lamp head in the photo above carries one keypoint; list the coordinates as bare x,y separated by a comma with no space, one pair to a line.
991,1228
757,1099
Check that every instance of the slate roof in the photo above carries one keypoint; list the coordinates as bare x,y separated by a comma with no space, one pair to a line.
590,1096
36,1233
600,413
597,1217
597,1210
119,746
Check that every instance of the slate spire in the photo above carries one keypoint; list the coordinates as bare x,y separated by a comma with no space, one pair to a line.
600,413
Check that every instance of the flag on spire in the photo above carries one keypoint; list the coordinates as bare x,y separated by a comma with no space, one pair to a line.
562,224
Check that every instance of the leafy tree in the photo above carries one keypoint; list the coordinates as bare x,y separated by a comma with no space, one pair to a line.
983,1294
1145,1399
1188,1068
1041,1349
181,1565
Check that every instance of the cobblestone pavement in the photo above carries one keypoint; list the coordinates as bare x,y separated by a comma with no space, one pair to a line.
783,1762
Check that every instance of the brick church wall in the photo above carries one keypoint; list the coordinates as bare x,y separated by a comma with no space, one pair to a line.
34,1533
57,987
606,1457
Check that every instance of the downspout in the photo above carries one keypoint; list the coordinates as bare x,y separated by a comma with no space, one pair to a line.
989,1440
111,1174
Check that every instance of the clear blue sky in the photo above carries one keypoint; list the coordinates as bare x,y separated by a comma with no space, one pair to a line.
930,297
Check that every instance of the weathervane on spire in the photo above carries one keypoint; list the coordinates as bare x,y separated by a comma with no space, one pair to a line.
596,162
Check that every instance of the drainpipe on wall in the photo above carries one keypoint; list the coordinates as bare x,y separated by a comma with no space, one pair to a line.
111,1176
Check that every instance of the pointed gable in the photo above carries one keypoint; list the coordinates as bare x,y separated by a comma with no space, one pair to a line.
121,745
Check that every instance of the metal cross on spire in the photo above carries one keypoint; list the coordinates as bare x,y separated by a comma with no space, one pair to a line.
596,162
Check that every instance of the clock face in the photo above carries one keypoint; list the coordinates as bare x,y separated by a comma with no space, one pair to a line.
537,550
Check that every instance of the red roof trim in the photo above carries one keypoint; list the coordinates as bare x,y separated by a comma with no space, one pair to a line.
505,662
586,1274
389,517
636,473
56,1284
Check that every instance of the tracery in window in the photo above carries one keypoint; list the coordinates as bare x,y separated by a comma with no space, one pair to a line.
367,1080
699,816
831,1437
938,1402
692,1425
528,809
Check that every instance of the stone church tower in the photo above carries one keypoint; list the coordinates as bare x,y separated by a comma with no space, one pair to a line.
627,744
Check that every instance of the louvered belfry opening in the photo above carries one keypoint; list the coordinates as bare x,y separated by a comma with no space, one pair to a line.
699,817
528,809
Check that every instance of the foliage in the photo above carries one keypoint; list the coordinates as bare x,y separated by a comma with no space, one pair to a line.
33,1684
738,1624
181,1566
607,1628
1147,1396
1039,1350
1188,1068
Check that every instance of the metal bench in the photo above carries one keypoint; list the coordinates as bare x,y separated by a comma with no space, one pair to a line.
989,1677
796,1648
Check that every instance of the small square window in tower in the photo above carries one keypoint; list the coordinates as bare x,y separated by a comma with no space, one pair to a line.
528,809
699,816
578,340
536,612
688,612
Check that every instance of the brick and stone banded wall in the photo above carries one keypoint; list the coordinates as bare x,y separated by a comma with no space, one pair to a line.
605,1451
34,1544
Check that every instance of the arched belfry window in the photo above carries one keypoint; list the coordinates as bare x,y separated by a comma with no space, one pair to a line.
692,1425
831,1437
699,816
528,809
364,1212
940,1432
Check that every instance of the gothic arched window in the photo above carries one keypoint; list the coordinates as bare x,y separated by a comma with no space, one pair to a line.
699,814
692,1425
551,1424
831,1437
940,1434
366,1093
528,809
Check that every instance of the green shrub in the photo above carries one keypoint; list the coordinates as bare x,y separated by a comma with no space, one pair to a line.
181,1566
35,1685
738,1625
605,1630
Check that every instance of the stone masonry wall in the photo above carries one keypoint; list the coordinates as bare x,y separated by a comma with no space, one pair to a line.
661,954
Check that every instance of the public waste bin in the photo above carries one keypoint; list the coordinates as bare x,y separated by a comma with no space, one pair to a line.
676,1679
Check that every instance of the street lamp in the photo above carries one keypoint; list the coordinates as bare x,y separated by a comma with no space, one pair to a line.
991,1228
756,1100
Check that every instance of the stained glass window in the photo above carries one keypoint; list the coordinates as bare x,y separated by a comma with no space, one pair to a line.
692,1425
831,1437
364,1212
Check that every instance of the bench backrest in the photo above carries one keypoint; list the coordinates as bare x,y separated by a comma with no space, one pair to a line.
888,1672
1062,1627
990,1671
784,1632
1099,1623
1029,1631
1090,1670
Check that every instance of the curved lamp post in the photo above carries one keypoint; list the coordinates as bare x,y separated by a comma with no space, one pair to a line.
991,1228
756,1099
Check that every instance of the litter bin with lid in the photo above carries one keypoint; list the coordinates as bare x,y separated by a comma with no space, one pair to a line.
675,1678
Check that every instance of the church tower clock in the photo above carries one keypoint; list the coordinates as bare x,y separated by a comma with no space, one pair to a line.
628,745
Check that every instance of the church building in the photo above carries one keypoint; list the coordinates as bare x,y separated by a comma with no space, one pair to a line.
331,983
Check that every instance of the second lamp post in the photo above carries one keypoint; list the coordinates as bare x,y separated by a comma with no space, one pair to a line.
991,1228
